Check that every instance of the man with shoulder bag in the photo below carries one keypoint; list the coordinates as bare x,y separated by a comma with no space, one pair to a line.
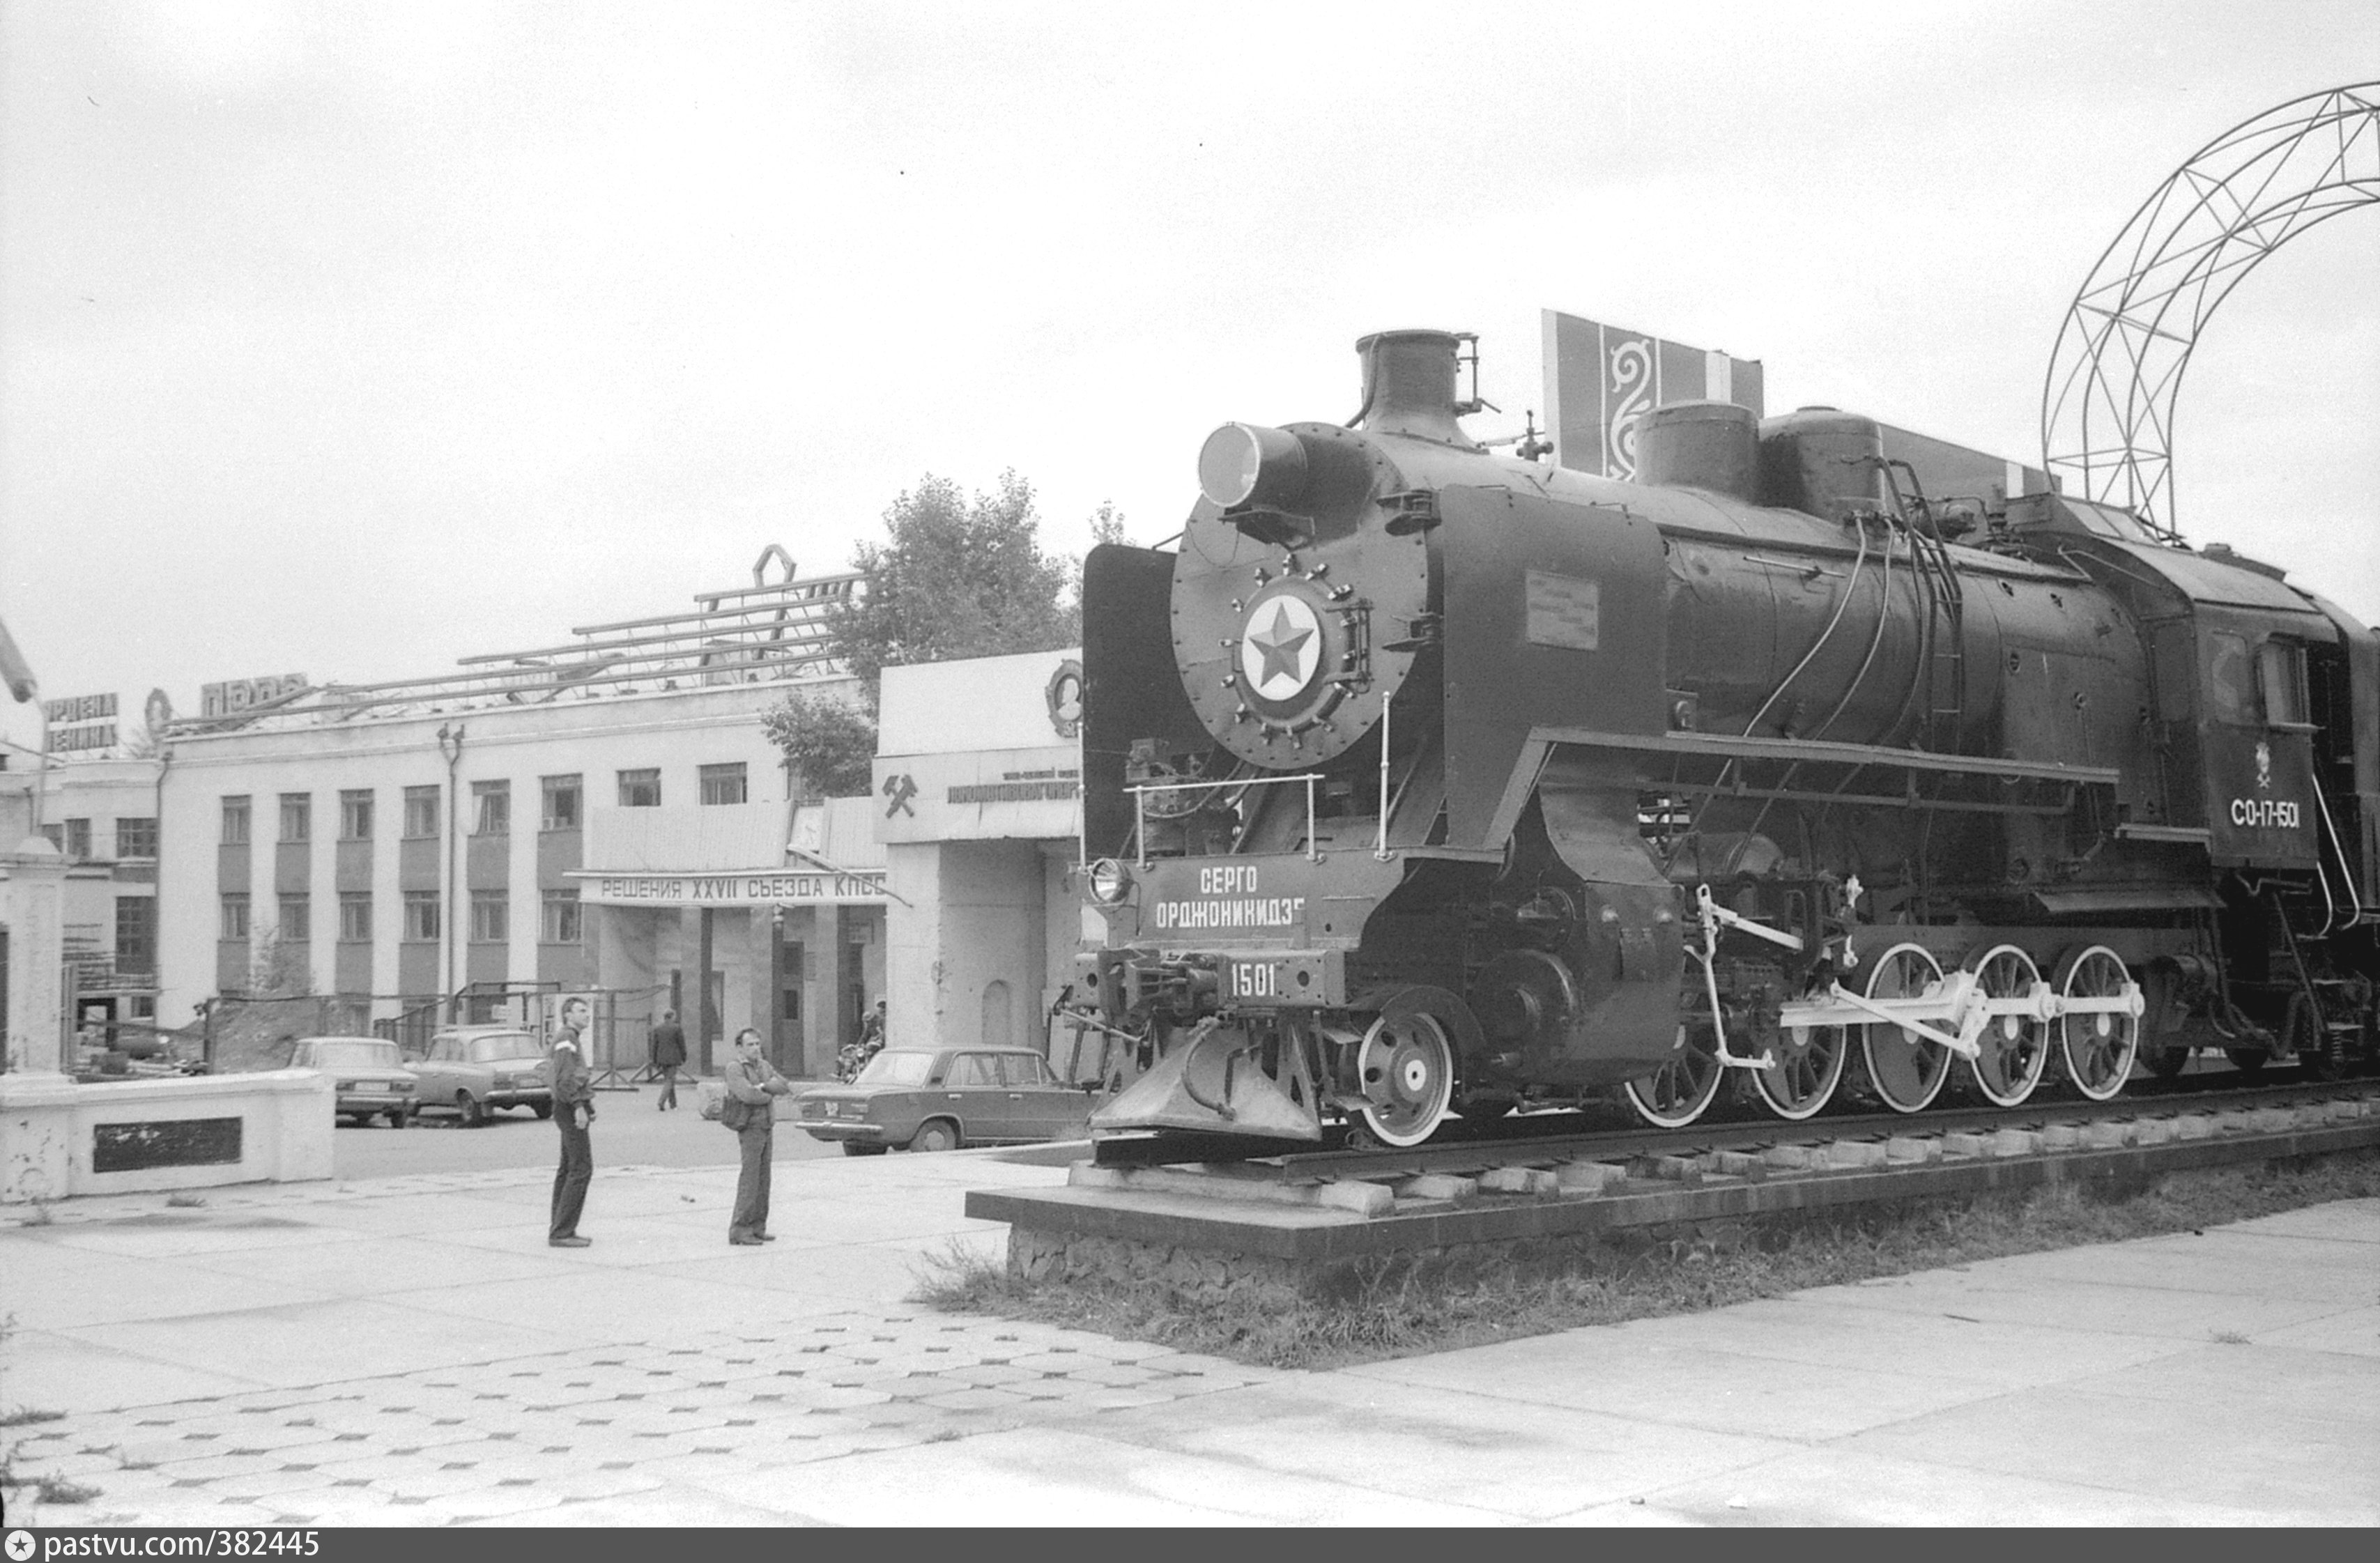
745,1108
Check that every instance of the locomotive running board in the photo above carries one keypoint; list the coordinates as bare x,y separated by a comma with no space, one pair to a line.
1718,749
1714,746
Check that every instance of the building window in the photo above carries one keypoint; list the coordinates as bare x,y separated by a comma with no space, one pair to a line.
76,844
491,808
488,918
560,802
640,789
136,837
296,917
562,924
355,916
235,823
421,812
356,815
296,816
421,916
136,935
723,784
234,916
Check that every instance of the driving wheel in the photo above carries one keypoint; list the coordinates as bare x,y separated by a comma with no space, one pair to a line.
2013,1049
1906,1070
2099,1043
1680,1090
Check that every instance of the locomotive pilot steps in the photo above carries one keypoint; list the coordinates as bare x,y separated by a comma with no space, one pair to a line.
1425,781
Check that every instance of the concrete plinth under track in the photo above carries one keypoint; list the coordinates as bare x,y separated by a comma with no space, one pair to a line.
1226,1233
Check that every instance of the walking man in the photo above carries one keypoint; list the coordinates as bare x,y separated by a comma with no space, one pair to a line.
669,1052
751,1082
574,1110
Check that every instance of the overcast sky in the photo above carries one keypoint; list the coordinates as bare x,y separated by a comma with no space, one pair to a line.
351,339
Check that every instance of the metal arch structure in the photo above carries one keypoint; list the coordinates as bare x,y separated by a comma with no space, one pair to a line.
2108,407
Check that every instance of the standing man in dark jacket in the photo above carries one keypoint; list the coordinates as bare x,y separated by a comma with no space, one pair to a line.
751,1082
574,1110
669,1054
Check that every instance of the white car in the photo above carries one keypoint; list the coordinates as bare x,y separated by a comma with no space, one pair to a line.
478,1069
368,1074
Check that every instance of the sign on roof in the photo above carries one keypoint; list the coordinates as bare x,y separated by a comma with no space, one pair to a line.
238,695
1601,379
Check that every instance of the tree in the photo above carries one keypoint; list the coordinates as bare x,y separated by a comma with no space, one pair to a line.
957,577
277,966
829,744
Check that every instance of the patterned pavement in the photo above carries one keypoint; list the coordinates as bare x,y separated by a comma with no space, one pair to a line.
719,1413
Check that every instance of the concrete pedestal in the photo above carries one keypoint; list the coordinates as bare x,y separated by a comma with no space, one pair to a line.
59,1139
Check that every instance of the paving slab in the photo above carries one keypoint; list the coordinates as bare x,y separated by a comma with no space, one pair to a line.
1512,1461
2258,1382
2353,1332
2280,1464
1824,1333
1830,1485
48,1283
2346,1220
375,1266
2317,1269
63,1373
1071,1479
2056,1302
1614,1373
580,1310
316,1342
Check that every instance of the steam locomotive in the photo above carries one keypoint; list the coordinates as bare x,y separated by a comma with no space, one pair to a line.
1427,780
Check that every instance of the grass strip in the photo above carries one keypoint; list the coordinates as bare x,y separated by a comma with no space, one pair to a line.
1396,1306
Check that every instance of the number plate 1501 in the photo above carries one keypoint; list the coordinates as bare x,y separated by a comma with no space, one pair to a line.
1253,979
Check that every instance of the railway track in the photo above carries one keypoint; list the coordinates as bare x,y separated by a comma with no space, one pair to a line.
1550,1138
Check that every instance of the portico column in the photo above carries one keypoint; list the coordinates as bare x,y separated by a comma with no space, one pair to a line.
32,903
821,1001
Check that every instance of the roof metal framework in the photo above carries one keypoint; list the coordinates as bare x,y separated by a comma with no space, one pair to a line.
2108,408
745,634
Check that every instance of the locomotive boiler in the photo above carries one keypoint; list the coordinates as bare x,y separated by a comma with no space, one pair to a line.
1425,781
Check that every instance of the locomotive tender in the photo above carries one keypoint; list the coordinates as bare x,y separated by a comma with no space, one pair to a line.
1435,781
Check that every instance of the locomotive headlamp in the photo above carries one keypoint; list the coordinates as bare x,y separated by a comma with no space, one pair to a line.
1248,464
1111,881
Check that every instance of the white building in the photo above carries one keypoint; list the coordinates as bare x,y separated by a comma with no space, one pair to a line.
979,801
605,816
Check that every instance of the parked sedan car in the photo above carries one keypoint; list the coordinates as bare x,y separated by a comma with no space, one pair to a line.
940,1099
478,1069
368,1074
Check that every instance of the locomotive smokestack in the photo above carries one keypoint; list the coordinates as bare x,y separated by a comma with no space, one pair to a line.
1409,386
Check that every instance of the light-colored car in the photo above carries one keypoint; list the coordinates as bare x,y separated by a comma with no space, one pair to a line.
475,1070
368,1074
940,1099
